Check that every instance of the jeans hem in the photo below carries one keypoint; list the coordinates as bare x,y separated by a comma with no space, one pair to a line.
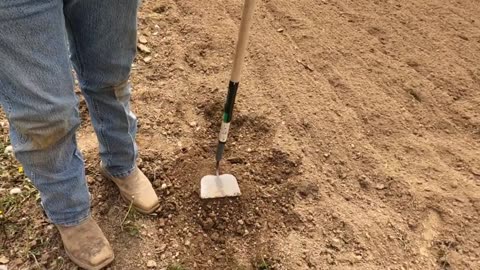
124,174
70,223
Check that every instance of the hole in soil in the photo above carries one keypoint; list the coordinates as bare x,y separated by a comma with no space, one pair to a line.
161,9
266,205
244,128
252,124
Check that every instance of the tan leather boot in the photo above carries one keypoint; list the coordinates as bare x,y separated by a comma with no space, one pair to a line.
137,188
86,245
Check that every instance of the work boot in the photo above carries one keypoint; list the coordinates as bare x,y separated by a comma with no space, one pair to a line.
86,245
137,188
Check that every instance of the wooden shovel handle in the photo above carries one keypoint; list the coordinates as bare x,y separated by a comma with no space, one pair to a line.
247,15
235,78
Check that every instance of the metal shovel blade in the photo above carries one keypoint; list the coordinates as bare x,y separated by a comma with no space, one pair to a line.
218,186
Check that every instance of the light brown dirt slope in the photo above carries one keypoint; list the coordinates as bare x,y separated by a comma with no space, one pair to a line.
356,138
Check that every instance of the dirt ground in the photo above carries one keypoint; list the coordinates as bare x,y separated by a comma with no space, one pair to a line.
355,139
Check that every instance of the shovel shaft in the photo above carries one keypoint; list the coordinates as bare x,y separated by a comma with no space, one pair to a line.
238,60
242,42
226,119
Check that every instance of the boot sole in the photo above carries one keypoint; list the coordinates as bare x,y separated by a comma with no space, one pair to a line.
89,267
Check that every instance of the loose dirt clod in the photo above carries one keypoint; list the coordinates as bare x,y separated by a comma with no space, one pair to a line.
8,150
15,190
4,260
143,48
142,39
151,264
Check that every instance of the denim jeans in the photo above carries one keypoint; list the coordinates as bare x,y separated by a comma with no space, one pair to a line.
39,42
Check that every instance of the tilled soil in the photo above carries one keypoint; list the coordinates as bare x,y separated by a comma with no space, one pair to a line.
355,140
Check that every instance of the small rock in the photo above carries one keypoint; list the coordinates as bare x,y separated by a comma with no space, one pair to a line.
4,124
90,180
412,224
193,124
147,59
280,30
380,186
161,222
144,48
241,222
164,186
142,39
364,182
208,224
162,248
336,244
215,236
45,257
8,150
187,243
454,184
4,260
151,264
249,150
15,190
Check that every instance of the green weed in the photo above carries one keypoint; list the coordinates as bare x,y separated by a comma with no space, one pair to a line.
176,267
263,264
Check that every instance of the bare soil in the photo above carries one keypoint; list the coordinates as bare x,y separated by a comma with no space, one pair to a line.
355,139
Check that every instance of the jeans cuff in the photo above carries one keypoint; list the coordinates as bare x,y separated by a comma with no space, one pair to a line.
124,174
69,223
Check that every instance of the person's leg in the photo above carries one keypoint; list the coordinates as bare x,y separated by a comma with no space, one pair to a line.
36,92
102,37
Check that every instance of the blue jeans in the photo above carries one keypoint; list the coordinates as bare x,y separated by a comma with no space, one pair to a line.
39,41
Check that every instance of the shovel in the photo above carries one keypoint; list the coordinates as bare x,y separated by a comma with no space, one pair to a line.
226,185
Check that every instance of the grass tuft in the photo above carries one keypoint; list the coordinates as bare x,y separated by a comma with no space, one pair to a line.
176,267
